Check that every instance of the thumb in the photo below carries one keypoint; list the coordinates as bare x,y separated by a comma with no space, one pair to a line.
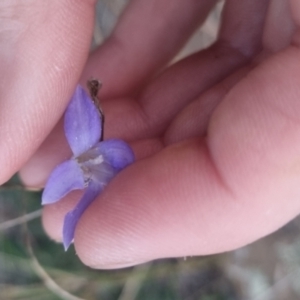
43,48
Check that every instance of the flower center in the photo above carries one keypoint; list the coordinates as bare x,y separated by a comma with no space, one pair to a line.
95,167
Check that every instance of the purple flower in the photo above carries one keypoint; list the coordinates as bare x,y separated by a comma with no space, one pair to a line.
93,163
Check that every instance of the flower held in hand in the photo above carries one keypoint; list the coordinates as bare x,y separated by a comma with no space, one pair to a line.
93,163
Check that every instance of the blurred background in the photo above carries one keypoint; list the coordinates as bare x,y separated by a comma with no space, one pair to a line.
33,267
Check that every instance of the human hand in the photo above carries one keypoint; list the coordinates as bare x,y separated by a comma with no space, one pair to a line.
218,133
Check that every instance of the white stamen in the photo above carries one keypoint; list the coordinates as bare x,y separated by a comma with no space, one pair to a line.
97,160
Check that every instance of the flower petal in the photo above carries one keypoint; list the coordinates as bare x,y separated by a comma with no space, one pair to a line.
116,152
72,217
64,178
82,122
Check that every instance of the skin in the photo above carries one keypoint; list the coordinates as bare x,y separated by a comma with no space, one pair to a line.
217,135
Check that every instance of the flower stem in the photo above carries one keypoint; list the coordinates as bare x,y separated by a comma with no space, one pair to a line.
94,86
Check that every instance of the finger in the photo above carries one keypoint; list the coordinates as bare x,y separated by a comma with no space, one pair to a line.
185,80
193,120
240,39
36,171
147,36
279,26
42,58
56,150
207,196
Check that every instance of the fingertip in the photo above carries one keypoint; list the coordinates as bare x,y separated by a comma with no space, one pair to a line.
38,80
54,214
51,218
144,213
53,151
108,234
